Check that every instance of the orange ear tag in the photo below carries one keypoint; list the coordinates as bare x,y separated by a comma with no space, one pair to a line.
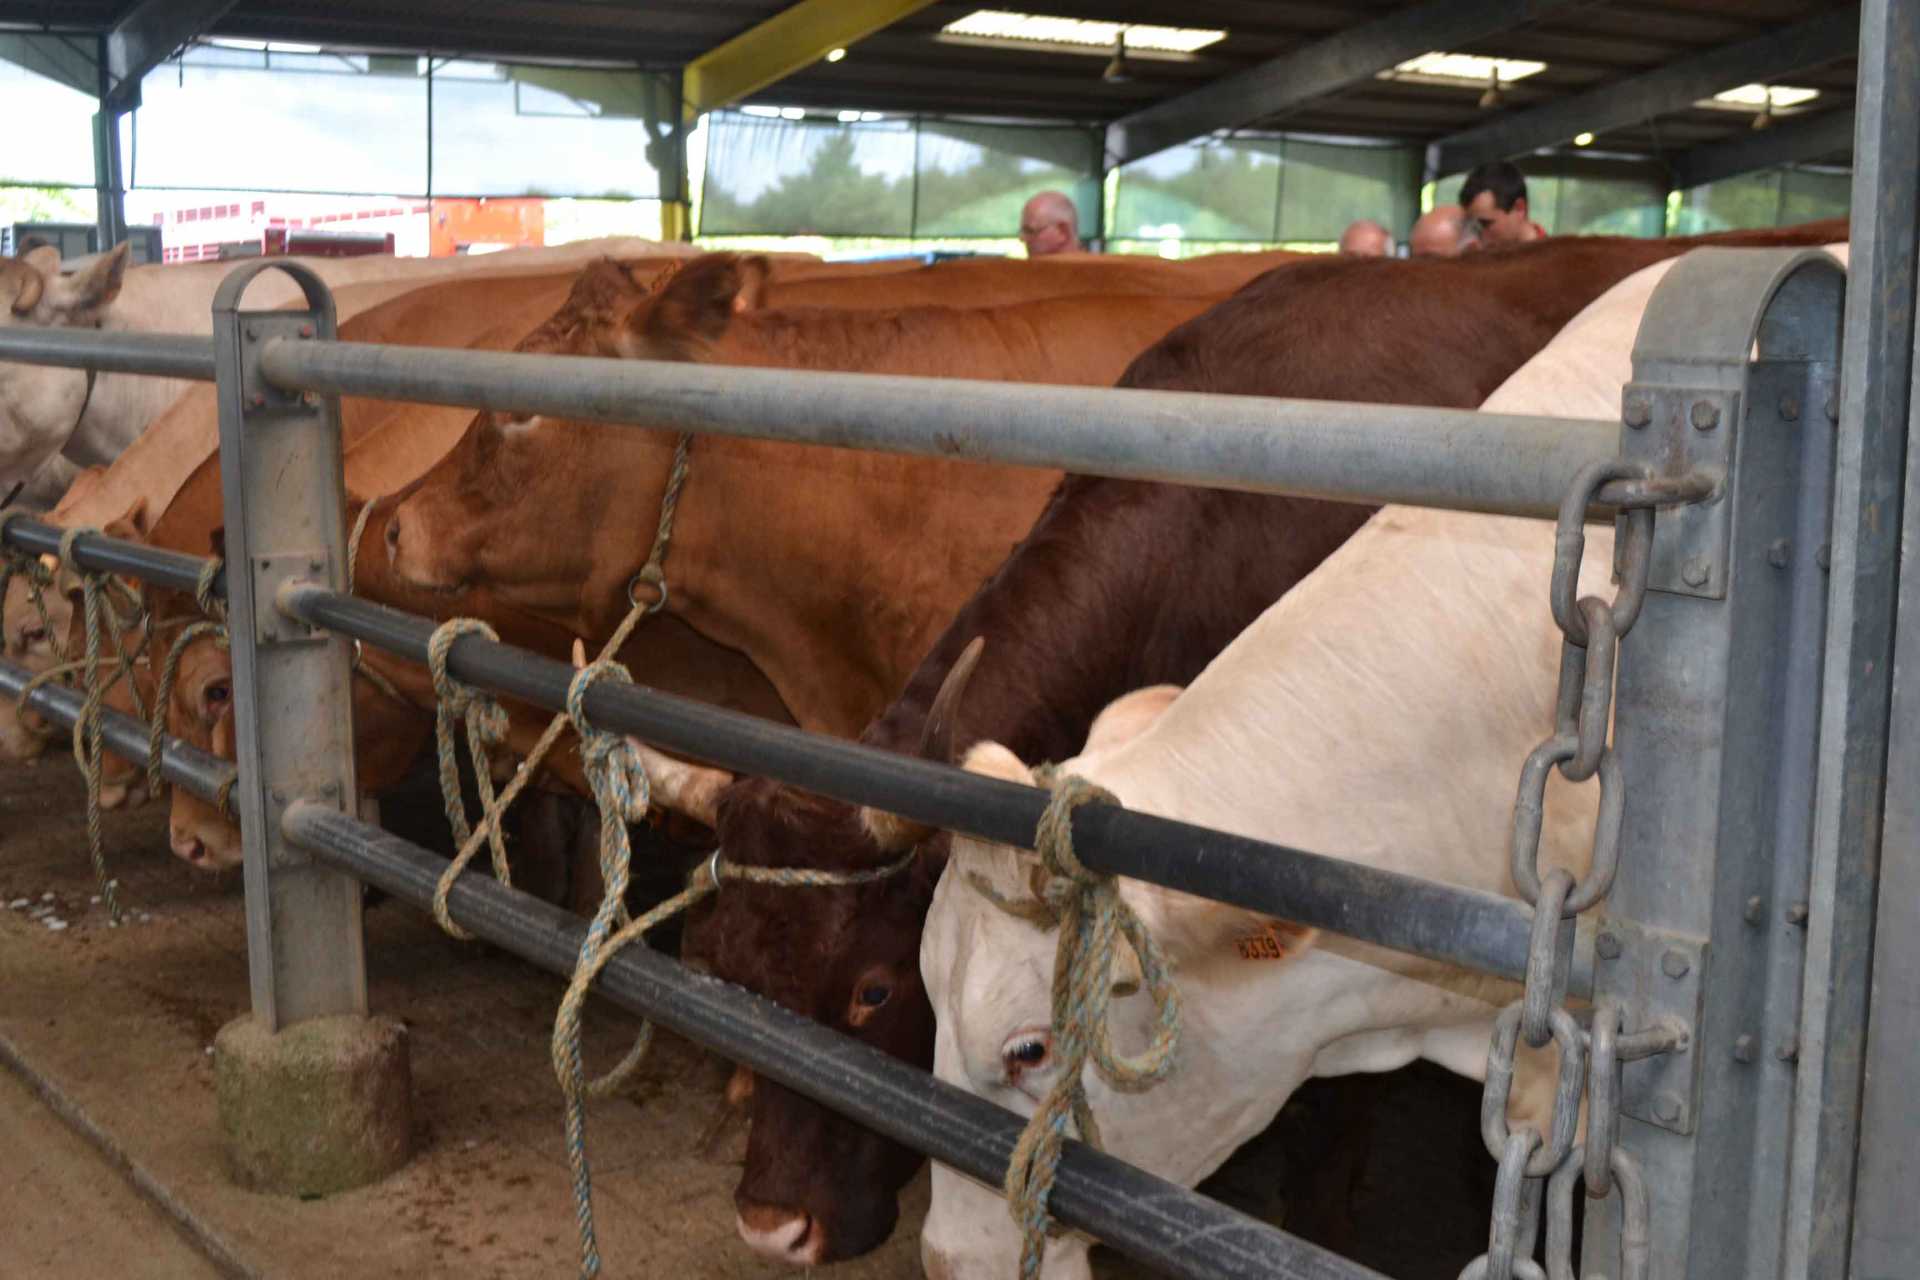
1265,945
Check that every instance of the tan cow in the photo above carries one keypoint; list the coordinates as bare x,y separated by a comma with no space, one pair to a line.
489,312
849,545
830,569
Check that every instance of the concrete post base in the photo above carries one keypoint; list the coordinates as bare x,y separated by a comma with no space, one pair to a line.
326,1105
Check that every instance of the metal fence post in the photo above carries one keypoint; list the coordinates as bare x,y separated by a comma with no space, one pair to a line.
1864,1094
281,482
314,1096
1715,715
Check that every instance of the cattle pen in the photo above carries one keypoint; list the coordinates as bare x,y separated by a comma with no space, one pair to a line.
1744,944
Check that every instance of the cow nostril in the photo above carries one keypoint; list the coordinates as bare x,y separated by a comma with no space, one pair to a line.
781,1234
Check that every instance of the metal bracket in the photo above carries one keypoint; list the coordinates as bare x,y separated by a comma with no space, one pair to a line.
1678,430
270,574
261,397
1658,977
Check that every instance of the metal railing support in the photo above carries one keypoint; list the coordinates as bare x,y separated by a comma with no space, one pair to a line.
293,705
1718,700
1857,1116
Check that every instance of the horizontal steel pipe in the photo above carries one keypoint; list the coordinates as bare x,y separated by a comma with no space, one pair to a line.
1321,449
168,569
181,764
1172,1228
165,355
1480,931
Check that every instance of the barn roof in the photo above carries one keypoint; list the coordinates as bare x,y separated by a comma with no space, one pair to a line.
1629,71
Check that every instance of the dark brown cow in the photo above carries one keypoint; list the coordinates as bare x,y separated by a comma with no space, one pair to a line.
1120,585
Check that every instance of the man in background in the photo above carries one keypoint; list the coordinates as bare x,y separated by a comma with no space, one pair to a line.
1440,233
1365,238
1050,224
1495,198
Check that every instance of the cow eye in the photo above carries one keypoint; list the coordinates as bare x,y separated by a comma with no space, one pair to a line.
870,995
1026,1051
217,694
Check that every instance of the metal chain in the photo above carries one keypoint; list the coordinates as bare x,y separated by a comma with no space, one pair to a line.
1592,629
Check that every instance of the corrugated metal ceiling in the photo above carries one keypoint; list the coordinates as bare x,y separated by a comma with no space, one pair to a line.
904,69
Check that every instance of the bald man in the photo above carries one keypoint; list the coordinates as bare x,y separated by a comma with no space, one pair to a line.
1440,233
1365,238
1050,224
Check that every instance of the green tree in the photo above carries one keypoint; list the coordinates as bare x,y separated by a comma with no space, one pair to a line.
832,196
47,204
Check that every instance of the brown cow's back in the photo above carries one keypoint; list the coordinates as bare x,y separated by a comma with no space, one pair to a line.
986,282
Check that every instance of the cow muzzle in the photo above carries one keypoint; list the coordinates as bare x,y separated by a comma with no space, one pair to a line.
780,1234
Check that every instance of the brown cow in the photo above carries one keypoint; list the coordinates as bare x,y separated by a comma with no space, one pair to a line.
728,610
831,570
1121,585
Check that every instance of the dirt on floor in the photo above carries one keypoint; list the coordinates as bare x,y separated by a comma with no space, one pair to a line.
118,1023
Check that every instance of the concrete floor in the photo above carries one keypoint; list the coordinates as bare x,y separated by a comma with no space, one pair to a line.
119,1021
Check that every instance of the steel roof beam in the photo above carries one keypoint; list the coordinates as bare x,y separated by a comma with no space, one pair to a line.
1661,91
1321,68
1786,143
147,37
795,37
64,61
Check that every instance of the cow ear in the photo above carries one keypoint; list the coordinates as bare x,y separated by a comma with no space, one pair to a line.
131,524
1198,931
26,285
694,309
44,259
1129,716
96,284
752,294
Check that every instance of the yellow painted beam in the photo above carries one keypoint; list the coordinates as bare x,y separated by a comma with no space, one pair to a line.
796,37
676,220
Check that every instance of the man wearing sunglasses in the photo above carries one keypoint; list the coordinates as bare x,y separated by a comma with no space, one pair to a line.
1495,199
1050,224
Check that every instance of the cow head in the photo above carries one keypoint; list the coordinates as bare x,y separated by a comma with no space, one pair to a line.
818,1188
989,973
41,405
522,504
200,713
29,640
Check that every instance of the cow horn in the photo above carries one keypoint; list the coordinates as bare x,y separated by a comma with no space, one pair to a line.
936,742
690,789
889,830
30,288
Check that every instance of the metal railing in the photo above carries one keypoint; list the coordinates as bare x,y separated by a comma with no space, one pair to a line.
1718,713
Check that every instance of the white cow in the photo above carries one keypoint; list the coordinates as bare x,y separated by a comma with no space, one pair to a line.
46,411
1379,712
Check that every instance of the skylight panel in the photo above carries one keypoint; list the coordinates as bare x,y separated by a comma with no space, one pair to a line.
1754,97
1076,35
1463,69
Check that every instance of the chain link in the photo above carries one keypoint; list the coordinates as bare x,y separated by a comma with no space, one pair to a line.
1583,704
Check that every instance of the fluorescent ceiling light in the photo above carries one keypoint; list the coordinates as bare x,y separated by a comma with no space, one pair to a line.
859,117
834,55
1752,97
257,46
1582,139
793,113
1076,35
1462,69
